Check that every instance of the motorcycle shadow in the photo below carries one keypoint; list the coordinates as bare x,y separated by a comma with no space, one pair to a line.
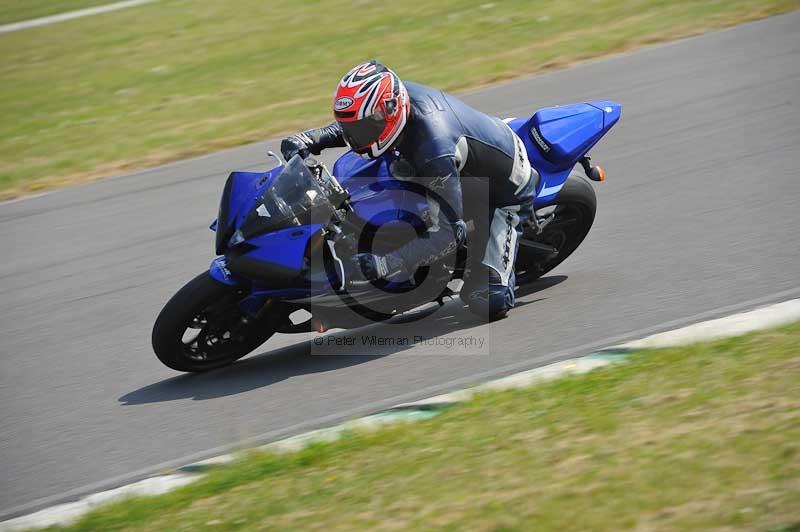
331,352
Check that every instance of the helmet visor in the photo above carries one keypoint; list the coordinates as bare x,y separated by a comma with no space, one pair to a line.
361,133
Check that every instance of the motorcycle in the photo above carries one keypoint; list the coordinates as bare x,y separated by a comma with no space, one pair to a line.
284,236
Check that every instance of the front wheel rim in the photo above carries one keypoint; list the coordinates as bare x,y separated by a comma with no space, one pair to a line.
215,332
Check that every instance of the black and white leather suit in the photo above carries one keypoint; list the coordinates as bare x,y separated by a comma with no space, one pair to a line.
479,167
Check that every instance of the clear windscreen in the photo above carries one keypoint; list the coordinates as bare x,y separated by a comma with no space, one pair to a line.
293,198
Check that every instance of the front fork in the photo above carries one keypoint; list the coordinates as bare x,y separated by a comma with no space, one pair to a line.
251,304
254,304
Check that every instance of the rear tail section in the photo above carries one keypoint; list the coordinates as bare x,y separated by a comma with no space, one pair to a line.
556,138
565,133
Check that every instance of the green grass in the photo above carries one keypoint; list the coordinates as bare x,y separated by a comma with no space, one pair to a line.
17,10
699,438
102,94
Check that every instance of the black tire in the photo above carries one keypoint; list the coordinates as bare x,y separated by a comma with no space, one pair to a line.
210,307
575,208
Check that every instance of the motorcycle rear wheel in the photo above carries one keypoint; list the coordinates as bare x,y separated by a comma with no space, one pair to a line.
574,210
202,328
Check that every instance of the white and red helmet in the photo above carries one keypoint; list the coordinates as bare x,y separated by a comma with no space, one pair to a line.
371,105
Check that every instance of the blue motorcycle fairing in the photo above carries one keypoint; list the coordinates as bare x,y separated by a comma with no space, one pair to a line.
241,191
350,165
564,133
377,197
570,131
285,247
220,272
280,253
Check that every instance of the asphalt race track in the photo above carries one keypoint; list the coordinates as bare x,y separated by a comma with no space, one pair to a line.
699,216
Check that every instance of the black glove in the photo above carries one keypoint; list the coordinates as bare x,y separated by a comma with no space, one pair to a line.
291,146
313,141
374,267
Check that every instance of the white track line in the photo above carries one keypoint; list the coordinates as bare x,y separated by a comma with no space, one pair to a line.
64,514
69,15
736,325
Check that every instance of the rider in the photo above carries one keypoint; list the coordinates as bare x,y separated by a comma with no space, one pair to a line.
471,161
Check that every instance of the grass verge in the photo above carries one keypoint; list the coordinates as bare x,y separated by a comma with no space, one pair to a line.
698,438
113,92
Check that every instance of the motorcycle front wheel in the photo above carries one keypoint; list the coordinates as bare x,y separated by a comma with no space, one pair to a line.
202,328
